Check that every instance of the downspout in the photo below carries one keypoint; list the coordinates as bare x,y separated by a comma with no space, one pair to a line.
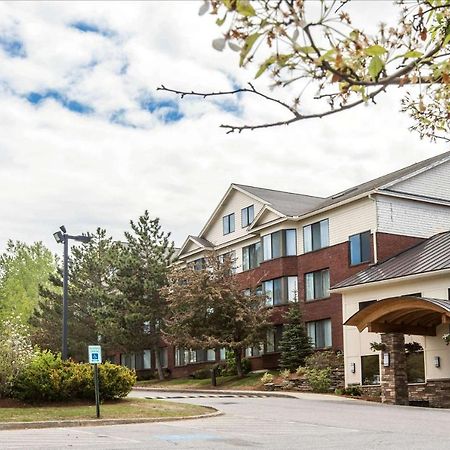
375,231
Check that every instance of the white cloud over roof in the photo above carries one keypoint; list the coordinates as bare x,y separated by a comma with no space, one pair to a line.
86,140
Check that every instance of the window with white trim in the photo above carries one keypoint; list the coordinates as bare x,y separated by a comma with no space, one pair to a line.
280,243
316,236
280,291
228,223
317,284
247,215
320,333
359,247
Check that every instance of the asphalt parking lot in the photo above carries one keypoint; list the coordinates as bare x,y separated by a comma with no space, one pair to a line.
307,421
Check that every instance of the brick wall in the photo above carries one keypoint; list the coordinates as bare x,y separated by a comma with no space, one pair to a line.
389,245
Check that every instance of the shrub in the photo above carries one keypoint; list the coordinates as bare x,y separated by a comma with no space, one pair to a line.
354,391
301,371
285,374
325,360
318,379
15,352
202,374
49,378
267,378
230,367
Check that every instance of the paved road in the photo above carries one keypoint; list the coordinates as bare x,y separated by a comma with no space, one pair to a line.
305,422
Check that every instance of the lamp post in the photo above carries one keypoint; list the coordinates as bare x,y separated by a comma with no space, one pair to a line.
61,237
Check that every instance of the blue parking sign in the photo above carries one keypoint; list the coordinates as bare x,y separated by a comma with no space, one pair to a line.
95,354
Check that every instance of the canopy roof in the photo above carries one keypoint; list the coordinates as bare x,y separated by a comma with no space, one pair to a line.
407,315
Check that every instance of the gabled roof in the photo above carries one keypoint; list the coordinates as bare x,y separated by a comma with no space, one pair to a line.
202,243
428,256
386,180
287,203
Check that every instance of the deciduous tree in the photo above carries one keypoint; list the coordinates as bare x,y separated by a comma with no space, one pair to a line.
316,49
209,309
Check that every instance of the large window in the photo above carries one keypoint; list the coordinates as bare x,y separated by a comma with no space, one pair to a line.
163,356
415,367
370,369
315,236
199,264
228,224
273,340
254,351
320,333
247,216
280,243
317,284
280,291
251,256
184,356
138,361
359,248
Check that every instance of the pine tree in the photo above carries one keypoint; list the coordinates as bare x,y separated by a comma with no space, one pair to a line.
295,344
136,314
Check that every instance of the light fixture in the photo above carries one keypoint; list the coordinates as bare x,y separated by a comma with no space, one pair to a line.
437,361
61,237
352,367
386,360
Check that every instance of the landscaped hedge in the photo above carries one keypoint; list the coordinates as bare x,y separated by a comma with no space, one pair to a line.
49,378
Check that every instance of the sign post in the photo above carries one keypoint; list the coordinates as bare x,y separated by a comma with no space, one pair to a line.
95,358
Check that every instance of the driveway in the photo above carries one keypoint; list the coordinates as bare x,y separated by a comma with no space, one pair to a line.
305,421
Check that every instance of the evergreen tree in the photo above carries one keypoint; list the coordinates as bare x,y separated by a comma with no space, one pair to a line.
136,314
295,344
91,268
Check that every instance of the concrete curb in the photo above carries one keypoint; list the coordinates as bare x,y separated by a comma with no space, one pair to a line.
100,422
216,392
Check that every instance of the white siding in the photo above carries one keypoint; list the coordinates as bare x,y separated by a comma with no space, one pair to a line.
431,183
235,202
345,221
357,344
411,218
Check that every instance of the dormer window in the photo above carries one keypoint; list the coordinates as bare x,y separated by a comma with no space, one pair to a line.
247,216
228,224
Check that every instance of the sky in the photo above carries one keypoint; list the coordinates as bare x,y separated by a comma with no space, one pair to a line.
87,141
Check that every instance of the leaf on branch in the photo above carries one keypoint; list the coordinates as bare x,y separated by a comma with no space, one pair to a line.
218,44
234,46
413,54
375,67
249,42
265,65
375,50
245,8
220,22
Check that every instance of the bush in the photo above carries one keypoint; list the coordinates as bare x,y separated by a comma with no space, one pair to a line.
285,374
202,374
301,371
16,352
230,367
354,391
267,378
49,378
318,379
325,360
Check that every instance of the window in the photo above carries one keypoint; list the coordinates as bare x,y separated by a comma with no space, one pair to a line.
251,256
184,356
280,291
232,257
163,356
315,236
254,351
359,245
317,284
222,354
320,333
199,264
147,359
280,243
247,216
273,339
415,367
228,224
370,369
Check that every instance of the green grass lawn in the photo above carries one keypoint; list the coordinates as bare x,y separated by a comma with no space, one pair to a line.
249,382
120,409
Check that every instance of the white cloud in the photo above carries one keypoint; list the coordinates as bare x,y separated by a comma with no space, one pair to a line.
59,167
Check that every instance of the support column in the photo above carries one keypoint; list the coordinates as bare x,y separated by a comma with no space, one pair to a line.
394,381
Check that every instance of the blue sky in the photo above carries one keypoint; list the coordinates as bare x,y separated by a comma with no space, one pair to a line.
86,140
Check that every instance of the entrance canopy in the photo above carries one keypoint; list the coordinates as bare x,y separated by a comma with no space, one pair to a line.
407,315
